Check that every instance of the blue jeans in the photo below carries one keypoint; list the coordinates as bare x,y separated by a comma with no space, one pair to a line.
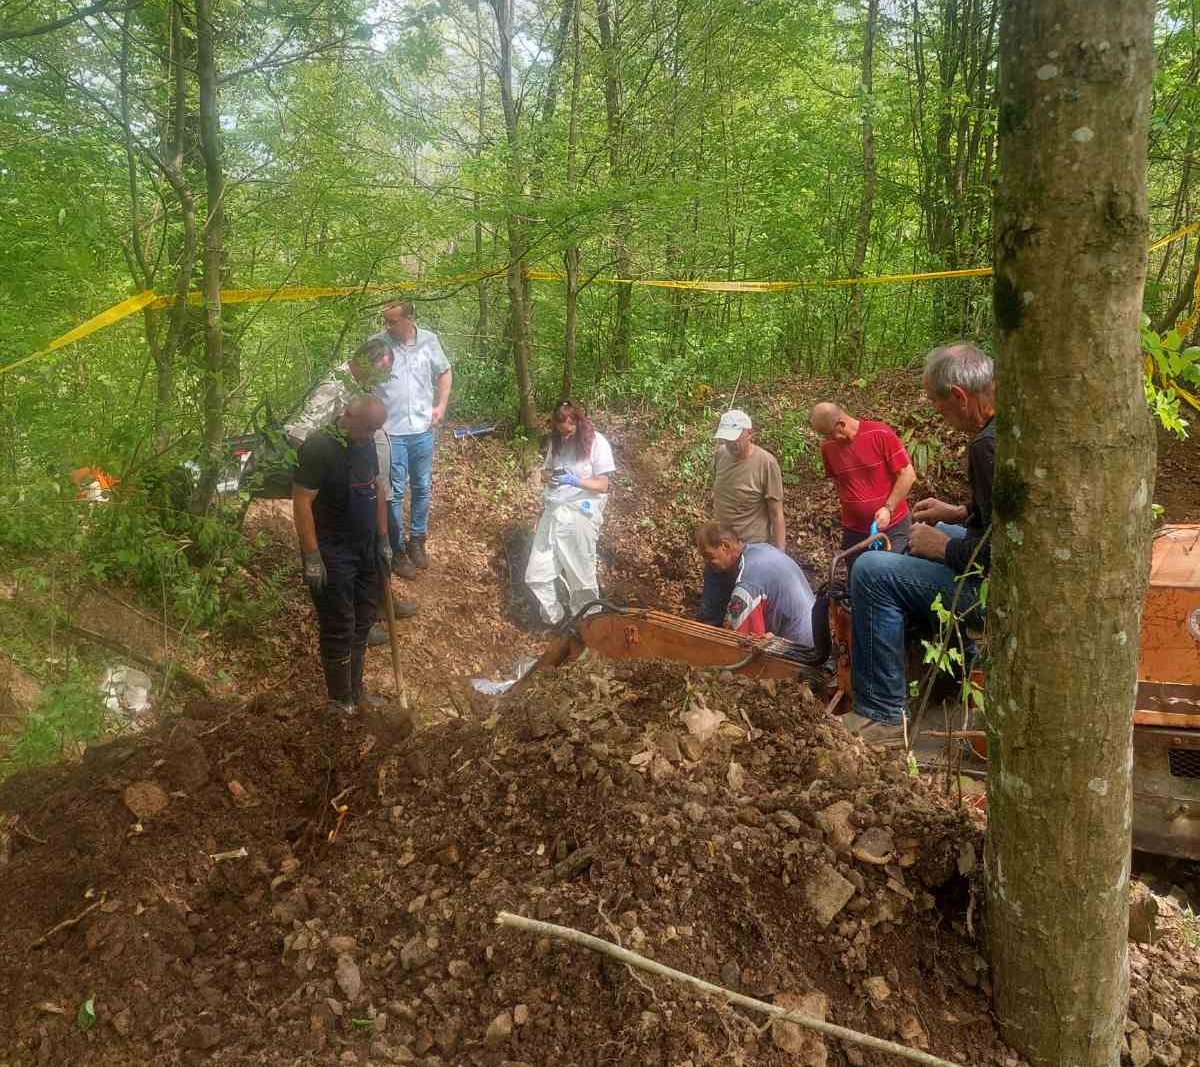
887,591
412,458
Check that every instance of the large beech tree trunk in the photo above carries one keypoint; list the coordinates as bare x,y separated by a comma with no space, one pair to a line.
1072,519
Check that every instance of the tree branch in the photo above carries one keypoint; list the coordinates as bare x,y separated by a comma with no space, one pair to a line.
57,24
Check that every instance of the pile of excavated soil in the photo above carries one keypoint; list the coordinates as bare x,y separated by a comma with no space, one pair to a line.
724,827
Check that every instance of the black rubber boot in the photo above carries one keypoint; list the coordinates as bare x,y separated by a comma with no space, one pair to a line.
338,684
402,565
358,691
416,552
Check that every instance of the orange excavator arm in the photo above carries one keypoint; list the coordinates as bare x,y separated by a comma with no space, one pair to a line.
638,633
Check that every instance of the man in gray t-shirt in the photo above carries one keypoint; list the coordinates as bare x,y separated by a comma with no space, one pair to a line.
415,397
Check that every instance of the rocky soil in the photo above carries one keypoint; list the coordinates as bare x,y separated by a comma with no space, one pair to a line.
724,827
255,882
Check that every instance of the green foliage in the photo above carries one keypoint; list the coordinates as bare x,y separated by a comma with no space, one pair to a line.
928,453
1189,927
369,146
141,536
794,442
946,653
1171,370
67,714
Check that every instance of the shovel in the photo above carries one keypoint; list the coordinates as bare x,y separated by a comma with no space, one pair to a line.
389,611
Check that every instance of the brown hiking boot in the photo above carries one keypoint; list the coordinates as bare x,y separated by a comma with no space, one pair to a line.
402,565
416,552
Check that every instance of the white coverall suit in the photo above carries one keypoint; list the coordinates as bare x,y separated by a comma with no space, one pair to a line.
564,543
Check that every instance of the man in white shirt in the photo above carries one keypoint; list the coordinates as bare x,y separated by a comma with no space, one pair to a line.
415,396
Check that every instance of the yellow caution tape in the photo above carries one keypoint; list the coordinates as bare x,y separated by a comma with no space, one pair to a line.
307,292
97,322
768,287
317,292
1192,228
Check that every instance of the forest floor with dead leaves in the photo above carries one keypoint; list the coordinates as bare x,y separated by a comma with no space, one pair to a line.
176,898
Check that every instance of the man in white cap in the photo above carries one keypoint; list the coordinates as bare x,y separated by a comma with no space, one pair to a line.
747,500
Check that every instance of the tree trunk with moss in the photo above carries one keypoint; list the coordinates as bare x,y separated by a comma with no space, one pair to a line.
1072,519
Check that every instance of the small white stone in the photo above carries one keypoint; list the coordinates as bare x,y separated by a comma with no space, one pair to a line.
1082,135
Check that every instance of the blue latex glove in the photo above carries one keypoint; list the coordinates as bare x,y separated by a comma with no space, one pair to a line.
568,477
874,545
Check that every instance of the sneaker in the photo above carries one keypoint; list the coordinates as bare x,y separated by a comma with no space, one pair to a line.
416,552
342,710
402,565
872,731
377,635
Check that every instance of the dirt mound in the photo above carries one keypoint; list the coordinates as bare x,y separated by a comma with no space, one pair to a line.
722,826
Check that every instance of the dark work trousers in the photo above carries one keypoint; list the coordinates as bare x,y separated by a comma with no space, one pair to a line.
346,610
718,588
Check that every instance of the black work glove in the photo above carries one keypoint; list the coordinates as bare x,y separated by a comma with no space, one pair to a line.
315,575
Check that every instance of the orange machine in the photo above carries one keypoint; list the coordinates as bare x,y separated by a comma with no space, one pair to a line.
1166,717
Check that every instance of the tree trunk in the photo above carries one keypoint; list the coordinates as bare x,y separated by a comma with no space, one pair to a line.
571,254
482,324
1072,519
518,244
607,22
213,403
856,341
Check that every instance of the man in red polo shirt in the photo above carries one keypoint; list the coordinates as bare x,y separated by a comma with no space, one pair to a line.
872,471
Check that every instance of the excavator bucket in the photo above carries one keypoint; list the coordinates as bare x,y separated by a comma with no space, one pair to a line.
638,633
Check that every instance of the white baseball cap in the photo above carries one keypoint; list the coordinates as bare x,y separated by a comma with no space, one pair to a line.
732,425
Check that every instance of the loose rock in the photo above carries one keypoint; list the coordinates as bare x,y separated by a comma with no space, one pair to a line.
875,846
349,979
835,821
827,892
806,1045
499,1030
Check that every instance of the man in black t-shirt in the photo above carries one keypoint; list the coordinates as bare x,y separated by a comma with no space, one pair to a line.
341,520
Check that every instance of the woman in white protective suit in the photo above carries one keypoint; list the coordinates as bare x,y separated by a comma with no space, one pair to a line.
575,473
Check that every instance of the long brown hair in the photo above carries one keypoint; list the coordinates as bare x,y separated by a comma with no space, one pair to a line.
585,431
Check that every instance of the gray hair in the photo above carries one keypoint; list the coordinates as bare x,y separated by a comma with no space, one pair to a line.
961,364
